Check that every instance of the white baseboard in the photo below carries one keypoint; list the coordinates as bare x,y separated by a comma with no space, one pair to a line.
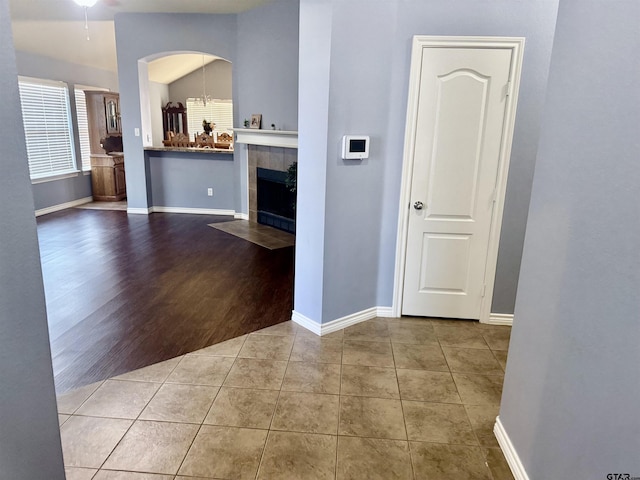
194,211
501,319
306,322
385,312
63,206
139,211
510,454
241,216
340,323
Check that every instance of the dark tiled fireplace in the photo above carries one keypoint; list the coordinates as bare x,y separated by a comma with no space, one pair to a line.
270,201
276,203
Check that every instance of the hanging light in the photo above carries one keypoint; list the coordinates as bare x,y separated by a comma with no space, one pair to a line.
86,4
205,98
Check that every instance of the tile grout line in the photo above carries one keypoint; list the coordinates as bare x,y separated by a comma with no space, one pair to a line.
404,419
136,419
210,406
264,447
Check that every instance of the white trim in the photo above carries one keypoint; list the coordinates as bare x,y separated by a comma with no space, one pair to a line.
385,312
241,216
501,319
195,211
510,454
54,178
138,211
271,138
306,322
419,43
340,323
63,206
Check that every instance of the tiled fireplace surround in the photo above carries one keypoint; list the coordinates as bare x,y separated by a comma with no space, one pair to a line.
273,158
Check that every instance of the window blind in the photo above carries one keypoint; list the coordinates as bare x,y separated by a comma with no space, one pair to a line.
47,127
217,111
83,128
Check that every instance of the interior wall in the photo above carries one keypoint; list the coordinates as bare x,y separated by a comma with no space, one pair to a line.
267,67
181,180
315,43
29,434
158,98
227,36
218,76
65,190
362,198
142,36
571,390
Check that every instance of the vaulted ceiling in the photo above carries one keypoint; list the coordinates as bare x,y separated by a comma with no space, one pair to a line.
55,28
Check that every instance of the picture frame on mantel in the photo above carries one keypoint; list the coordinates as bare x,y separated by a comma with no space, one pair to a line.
256,120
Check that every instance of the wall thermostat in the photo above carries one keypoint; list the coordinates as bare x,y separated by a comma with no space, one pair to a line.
355,147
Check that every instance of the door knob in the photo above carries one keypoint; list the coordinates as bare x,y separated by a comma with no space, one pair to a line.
418,205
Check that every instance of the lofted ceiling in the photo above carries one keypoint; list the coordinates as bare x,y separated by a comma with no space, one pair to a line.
55,28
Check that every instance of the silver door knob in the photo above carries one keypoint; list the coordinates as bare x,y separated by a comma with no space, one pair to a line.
418,205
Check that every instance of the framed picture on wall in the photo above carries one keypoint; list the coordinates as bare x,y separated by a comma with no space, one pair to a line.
256,120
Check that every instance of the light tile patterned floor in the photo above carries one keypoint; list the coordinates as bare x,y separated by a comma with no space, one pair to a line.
384,399
263,235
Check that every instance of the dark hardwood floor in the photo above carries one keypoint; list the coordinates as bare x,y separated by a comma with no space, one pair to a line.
126,291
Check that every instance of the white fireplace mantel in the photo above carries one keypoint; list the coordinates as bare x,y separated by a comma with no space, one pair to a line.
271,138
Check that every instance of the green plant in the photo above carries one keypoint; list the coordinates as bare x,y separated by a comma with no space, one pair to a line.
292,178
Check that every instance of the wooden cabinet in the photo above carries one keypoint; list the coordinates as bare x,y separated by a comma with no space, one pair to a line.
107,169
108,178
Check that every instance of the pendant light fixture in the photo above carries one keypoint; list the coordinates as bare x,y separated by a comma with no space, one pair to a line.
86,4
205,98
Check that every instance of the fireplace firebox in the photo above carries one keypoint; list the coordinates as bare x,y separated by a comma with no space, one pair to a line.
276,203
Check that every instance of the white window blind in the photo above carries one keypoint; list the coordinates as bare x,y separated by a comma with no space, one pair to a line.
83,128
47,127
219,112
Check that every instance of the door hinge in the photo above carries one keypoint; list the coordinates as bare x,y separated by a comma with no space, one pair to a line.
484,289
494,196
508,89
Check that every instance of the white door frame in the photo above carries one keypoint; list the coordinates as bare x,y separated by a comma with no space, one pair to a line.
516,44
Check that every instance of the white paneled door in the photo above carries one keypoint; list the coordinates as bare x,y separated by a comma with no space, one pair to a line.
458,141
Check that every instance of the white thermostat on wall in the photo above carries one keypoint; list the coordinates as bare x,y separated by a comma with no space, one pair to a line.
355,147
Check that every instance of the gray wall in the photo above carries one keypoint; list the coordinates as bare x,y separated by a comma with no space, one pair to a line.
367,89
182,179
29,434
256,81
158,98
315,33
218,80
56,192
267,65
572,389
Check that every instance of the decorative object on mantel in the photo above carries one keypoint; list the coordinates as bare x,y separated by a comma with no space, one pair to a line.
246,123
256,120
273,126
207,126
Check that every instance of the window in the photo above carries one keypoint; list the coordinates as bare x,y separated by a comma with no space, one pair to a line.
47,127
83,129
219,112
